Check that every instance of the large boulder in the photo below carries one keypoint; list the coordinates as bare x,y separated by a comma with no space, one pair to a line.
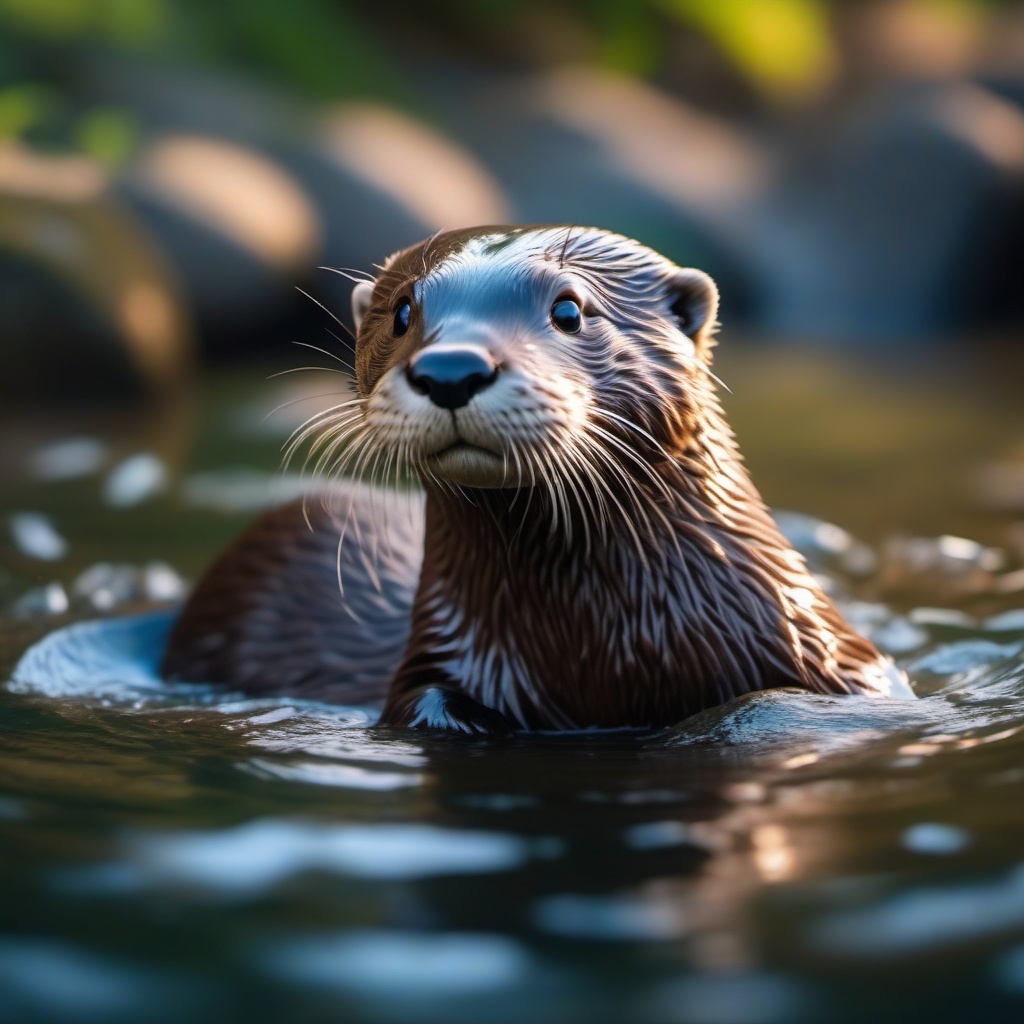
90,307
909,225
587,147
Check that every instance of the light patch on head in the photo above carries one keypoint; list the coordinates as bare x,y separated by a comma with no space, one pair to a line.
496,290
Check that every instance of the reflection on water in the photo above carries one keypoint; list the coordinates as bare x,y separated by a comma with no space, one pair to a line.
178,853
277,856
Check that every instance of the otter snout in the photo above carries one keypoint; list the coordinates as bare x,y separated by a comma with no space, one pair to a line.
450,375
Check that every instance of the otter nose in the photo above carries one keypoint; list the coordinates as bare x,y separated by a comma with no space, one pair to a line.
452,375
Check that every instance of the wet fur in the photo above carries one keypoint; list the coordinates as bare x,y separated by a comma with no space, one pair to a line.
626,573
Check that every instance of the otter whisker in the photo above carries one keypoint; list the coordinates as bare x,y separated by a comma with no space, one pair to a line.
361,464
305,369
317,423
350,274
327,352
334,440
321,430
607,413
629,486
549,485
520,459
514,451
335,461
570,464
644,508
355,432
333,316
320,420
649,471
303,398
583,472
570,483
360,440
392,464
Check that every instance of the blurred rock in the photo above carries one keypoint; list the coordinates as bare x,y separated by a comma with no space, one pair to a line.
825,545
35,536
381,180
236,169
1010,622
1010,583
1000,486
898,636
906,222
945,568
50,599
941,619
137,479
68,459
239,229
242,490
586,147
104,586
910,227
88,304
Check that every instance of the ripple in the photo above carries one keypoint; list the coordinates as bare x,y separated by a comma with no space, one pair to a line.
608,918
926,918
951,659
253,858
1009,970
344,776
728,998
782,720
57,981
403,965
936,838
36,536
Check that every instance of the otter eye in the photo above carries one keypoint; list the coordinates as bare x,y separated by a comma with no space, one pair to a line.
403,312
566,316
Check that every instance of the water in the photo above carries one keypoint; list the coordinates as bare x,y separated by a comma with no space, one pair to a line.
172,854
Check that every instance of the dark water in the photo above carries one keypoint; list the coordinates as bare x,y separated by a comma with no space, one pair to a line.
185,855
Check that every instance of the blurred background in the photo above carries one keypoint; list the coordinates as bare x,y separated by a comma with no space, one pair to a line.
172,176
171,170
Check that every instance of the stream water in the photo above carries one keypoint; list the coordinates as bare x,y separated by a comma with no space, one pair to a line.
182,854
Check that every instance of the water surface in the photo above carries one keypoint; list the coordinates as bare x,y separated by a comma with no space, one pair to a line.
172,854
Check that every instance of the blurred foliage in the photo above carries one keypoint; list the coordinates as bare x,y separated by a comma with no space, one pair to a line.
121,22
108,134
785,46
23,106
335,48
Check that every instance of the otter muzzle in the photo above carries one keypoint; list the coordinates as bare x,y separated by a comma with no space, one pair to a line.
451,375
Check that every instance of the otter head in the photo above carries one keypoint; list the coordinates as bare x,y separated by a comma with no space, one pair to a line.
486,357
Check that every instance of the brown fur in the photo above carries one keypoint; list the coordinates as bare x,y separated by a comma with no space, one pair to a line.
631,590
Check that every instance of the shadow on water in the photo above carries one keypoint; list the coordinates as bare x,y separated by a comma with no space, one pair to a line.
172,853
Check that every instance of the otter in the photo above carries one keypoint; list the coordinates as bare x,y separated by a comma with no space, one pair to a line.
586,550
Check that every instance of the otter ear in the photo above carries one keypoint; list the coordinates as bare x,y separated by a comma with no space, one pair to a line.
693,303
361,296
